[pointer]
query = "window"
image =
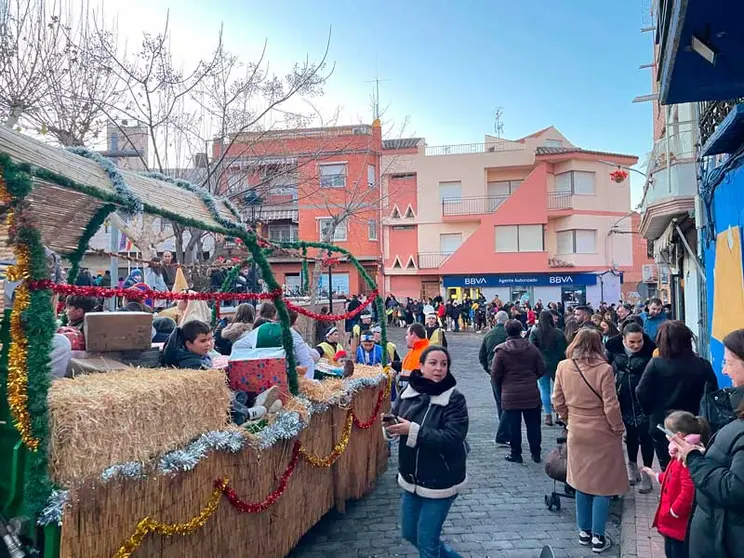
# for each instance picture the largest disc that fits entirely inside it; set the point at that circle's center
(372, 229)
(283, 232)
(450, 190)
(333, 175)
(502, 188)
(575, 182)
(449, 243)
(409, 212)
(339, 235)
(396, 212)
(404, 227)
(519, 238)
(371, 180)
(579, 241)
(553, 143)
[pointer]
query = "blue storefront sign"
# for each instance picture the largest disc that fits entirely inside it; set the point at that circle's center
(528, 279)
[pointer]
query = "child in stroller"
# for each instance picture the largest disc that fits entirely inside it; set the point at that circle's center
(556, 466)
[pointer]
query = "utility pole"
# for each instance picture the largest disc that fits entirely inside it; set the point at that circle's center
(376, 92)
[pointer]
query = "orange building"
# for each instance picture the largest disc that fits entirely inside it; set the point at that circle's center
(307, 180)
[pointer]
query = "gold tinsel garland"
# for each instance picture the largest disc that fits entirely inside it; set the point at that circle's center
(18, 350)
(148, 525)
(332, 457)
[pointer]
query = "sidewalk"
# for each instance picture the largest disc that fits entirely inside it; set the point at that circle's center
(638, 539)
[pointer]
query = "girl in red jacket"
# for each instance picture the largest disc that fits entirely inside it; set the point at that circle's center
(677, 489)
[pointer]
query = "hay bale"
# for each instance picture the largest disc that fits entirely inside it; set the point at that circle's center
(130, 415)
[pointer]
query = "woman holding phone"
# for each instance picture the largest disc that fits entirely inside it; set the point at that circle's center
(430, 418)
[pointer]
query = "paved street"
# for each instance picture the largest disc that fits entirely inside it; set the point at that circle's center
(502, 514)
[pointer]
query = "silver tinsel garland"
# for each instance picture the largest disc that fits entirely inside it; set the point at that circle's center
(132, 203)
(126, 470)
(52, 513)
(187, 458)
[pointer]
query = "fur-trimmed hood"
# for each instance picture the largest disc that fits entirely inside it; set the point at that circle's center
(233, 332)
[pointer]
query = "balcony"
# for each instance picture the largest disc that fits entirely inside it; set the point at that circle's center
(476, 205)
(669, 193)
(558, 201)
(678, 147)
(432, 260)
(471, 148)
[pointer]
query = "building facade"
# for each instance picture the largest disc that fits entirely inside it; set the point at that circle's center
(698, 42)
(314, 184)
(537, 218)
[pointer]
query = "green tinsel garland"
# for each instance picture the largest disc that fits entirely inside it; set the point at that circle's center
(225, 288)
(305, 273)
(251, 242)
(90, 229)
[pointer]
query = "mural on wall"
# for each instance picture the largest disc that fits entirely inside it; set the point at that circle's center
(728, 281)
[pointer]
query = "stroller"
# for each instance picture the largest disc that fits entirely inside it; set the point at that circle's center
(556, 465)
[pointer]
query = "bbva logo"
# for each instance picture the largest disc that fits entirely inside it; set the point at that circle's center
(558, 280)
(475, 280)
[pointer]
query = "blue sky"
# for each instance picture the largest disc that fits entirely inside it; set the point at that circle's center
(448, 64)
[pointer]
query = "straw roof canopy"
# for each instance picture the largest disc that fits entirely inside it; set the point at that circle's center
(61, 214)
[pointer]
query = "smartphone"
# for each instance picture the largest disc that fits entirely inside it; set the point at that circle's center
(388, 419)
(665, 430)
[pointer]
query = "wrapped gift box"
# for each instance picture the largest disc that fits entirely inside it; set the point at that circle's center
(256, 370)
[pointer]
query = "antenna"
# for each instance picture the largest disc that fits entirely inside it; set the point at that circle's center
(498, 124)
(376, 92)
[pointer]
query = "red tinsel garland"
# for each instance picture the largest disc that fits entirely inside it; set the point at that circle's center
(270, 500)
(136, 294)
(375, 413)
(332, 317)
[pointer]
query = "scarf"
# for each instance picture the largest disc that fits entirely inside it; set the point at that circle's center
(430, 387)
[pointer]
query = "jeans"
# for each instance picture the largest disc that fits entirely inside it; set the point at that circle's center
(502, 434)
(421, 521)
(639, 437)
(675, 549)
(546, 389)
(513, 418)
(592, 512)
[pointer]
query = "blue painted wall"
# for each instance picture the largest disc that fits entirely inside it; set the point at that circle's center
(728, 210)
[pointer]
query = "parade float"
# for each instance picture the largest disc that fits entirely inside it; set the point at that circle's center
(145, 462)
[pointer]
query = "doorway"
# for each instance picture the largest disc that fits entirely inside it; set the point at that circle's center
(574, 296)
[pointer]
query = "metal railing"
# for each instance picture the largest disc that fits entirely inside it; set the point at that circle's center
(712, 113)
(559, 200)
(680, 146)
(475, 205)
(432, 260)
(468, 148)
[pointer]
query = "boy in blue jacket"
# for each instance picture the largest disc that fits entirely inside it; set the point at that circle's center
(189, 346)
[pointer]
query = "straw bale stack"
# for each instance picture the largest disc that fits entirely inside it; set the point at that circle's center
(130, 415)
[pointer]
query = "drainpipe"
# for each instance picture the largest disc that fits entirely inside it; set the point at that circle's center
(668, 166)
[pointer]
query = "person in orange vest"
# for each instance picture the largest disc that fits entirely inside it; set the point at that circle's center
(416, 341)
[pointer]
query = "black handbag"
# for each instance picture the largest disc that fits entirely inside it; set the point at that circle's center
(719, 407)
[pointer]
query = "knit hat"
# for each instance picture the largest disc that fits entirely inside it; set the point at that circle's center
(331, 331)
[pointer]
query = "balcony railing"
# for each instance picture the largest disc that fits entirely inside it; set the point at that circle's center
(432, 260)
(469, 148)
(679, 146)
(559, 200)
(477, 205)
(712, 114)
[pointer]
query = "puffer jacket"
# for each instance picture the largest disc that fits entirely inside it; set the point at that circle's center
(628, 371)
(233, 332)
(431, 459)
(516, 366)
(717, 525)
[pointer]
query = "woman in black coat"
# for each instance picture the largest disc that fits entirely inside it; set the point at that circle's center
(629, 354)
(717, 525)
(431, 420)
(674, 381)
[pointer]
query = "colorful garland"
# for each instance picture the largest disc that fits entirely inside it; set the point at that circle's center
(332, 317)
(148, 525)
(137, 294)
(338, 449)
(305, 273)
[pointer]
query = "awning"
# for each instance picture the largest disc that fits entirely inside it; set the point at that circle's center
(268, 214)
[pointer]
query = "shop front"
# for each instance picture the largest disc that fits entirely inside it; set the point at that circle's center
(570, 288)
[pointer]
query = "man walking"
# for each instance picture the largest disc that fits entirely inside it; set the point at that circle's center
(654, 318)
(493, 338)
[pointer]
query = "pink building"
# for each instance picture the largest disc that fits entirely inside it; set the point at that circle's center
(537, 217)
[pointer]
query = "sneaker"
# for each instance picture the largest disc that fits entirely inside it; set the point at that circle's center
(536, 458)
(634, 475)
(267, 398)
(256, 413)
(276, 407)
(600, 543)
(585, 538)
(646, 484)
(514, 458)
(549, 419)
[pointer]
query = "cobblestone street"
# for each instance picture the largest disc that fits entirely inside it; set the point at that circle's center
(502, 513)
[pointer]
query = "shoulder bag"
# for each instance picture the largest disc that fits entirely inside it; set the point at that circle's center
(594, 391)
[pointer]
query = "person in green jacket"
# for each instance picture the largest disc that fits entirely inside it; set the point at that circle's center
(552, 344)
(495, 337)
